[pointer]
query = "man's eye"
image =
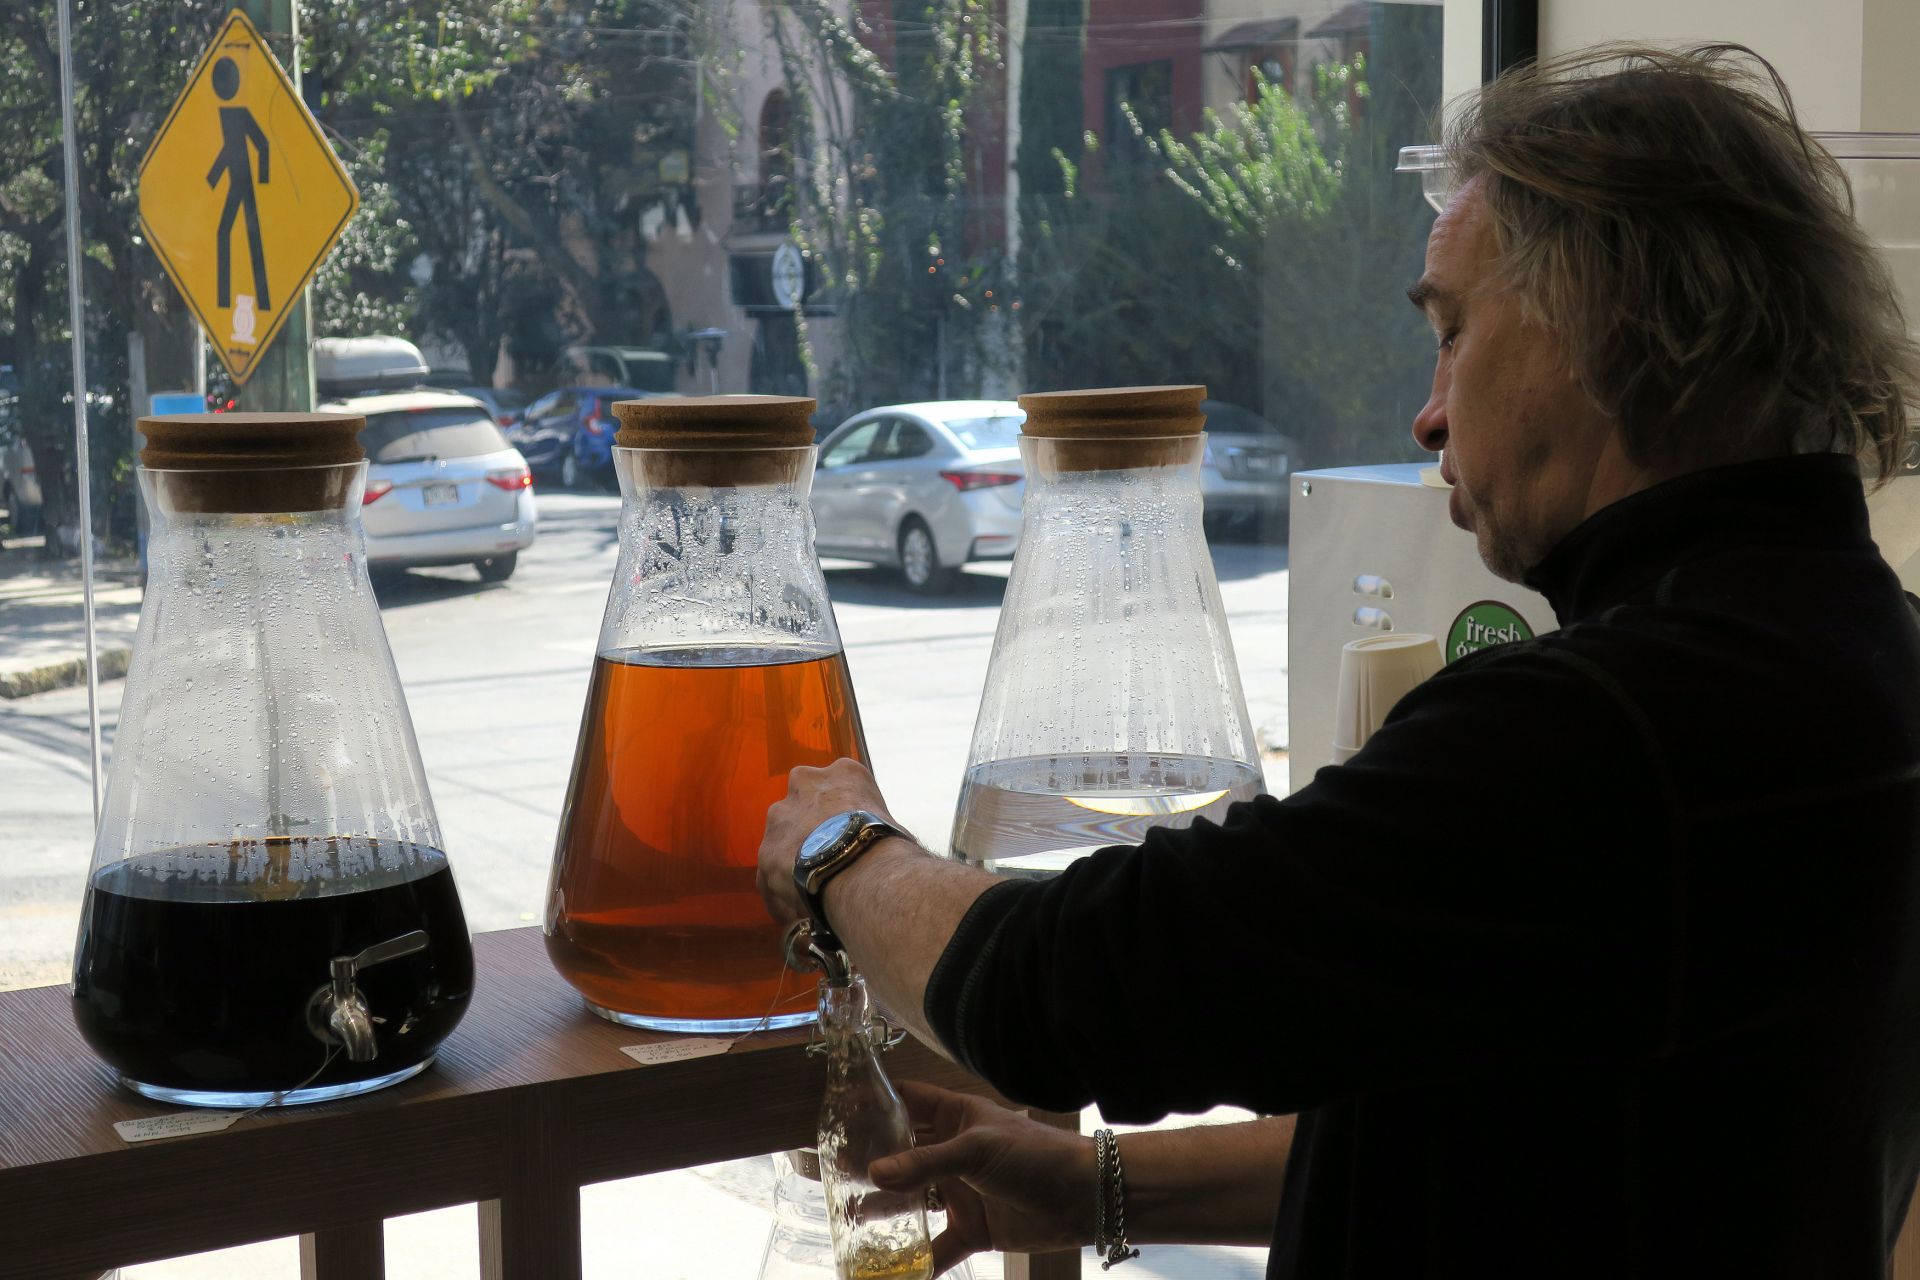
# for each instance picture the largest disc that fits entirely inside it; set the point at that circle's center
(1446, 339)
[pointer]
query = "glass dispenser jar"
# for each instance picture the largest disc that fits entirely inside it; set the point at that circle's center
(719, 668)
(269, 916)
(1112, 701)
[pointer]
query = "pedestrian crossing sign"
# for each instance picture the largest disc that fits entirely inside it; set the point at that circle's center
(241, 197)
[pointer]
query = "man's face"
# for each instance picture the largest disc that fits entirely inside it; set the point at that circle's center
(1521, 441)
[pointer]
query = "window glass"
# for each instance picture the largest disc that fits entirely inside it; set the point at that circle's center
(987, 433)
(909, 440)
(551, 410)
(429, 434)
(854, 446)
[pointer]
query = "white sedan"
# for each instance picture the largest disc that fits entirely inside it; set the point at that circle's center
(925, 487)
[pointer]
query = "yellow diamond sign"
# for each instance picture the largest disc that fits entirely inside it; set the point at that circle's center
(241, 196)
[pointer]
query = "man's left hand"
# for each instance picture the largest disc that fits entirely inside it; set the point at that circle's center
(813, 796)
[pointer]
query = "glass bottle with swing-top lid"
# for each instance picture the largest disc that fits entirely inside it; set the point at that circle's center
(269, 917)
(719, 668)
(1112, 702)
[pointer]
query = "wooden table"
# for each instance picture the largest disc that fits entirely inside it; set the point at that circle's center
(531, 1099)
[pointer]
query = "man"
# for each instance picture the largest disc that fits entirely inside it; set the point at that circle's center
(1602, 958)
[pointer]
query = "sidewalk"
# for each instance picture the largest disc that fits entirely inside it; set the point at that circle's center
(43, 630)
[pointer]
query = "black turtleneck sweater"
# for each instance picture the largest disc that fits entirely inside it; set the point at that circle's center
(1602, 957)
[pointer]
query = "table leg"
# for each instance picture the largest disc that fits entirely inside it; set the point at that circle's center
(532, 1232)
(1064, 1265)
(356, 1252)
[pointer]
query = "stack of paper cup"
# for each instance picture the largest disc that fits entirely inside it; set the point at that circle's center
(1374, 673)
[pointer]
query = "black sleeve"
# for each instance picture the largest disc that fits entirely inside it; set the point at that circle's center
(1490, 879)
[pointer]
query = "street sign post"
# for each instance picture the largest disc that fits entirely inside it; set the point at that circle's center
(241, 196)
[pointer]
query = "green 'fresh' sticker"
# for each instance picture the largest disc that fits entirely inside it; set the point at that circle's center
(1482, 625)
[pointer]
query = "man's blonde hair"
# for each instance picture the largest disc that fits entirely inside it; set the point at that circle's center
(1664, 214)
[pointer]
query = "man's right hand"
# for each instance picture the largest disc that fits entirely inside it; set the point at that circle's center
(1009, 1183)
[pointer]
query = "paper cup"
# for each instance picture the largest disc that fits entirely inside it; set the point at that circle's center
(1374, 674)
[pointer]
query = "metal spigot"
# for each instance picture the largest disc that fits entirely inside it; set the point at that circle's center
(337, 1013)
(810, 946)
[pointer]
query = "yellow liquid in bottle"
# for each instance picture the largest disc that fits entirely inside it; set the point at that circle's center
(876, 1262)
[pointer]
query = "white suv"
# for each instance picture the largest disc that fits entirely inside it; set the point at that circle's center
(443, 485)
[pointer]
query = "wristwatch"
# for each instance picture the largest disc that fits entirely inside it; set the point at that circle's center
(832, 848)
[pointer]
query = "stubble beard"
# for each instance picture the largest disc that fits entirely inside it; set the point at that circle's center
(1505, 556)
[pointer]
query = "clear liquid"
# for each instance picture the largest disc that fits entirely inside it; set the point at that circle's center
(1033, 816)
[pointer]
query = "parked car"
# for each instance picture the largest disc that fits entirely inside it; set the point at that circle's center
(19, 488)
(366, 366)
(925, 487)
(1246, 472)
(568, 434)
(643, 367)
(443, 485)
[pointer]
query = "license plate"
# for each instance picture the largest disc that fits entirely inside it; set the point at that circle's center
(439, 495)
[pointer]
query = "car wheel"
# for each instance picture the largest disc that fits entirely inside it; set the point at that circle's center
(609, 480)
(497, 568)
(569, 471)
(920, 559)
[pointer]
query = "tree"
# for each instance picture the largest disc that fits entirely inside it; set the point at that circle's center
(520, 145)
(122, 87)
(1264, 255)
(883, 204)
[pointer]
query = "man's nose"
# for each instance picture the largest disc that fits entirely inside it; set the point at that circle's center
(1430, 424)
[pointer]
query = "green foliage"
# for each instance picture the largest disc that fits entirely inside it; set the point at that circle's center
(123, 85)
(520, 148)
(363, 286)
(1264, 255)
(1261, 170)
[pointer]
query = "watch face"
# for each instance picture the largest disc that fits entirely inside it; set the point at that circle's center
(825, 836)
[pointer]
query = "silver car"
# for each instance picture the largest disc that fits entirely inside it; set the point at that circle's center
(443, 485)
(1246, 470)
(927, 487)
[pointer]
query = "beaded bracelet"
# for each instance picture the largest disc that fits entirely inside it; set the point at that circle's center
(1109, 1206)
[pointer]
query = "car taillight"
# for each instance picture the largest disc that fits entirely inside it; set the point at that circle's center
(376, 490)
(968, 481)
(511, 480)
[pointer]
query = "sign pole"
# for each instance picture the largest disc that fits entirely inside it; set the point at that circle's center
(83, 468)
(283, 379)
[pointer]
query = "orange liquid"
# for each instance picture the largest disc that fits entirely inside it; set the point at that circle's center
(652, 911)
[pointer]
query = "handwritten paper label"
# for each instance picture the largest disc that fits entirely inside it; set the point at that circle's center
(180, 1124)
(649, 1055)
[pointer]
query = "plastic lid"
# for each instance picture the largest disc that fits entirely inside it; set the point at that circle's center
(1427, 158)
(1870, 146)
(255, 463)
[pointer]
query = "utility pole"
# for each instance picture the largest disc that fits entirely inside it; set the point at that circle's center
(283, 377)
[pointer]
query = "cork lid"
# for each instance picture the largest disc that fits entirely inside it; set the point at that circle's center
(257, 462)
(715, 439)
(1116, 428)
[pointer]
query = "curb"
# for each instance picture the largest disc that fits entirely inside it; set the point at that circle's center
(63, 675)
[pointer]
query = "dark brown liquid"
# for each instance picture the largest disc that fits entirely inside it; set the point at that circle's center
(196, 966)
(652, 910)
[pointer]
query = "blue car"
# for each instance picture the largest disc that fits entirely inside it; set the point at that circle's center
(568, 434)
